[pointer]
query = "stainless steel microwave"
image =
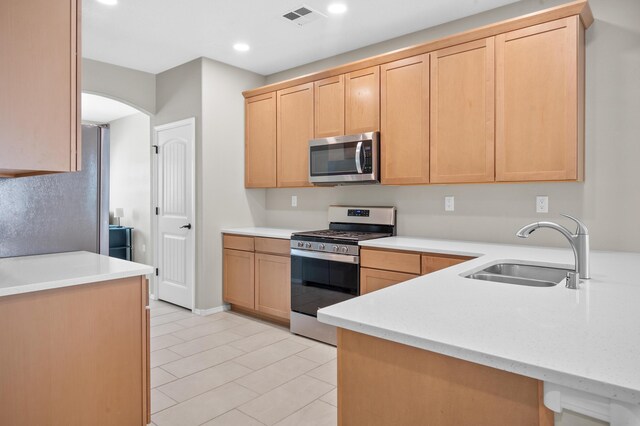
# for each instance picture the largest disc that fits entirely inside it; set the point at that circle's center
(343, 160)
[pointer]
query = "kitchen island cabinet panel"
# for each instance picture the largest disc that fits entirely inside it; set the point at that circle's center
(537, 111)
(75, 355)
(294, 129)
(462, 113)
(411, 385)
(39, 87)
(404, 107)
(260, 141)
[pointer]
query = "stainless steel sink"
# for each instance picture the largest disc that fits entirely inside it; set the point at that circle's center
(515, 273)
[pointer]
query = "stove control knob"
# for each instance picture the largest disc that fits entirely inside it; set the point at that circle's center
(344, 249)
(335, 248)
(308, 245)
(321, 246)
(300, 244)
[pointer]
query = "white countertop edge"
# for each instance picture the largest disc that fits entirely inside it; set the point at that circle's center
(266, 232)
(70, 282)
(524, 369)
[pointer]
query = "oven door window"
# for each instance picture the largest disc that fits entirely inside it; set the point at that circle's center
(333, 159)
(317, 283)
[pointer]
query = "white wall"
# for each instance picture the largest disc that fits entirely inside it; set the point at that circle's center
(129, 179)
(212, 93)
(225, 202)
(609, 199)
(132, 87)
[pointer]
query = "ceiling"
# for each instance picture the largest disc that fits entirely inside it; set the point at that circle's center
(98, 109)
(155, 35)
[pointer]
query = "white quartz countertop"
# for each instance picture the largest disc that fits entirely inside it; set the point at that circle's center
(49, 271)
(284, 234)
(586, 339)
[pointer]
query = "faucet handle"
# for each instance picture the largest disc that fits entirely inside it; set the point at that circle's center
(581, 229)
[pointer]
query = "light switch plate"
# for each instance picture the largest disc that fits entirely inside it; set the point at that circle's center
(542, 204)
(449, 203)
(294, 201)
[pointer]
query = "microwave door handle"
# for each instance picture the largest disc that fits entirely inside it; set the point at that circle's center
(358, 152)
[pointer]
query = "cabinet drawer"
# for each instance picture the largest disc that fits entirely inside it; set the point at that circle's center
(390, 260)
(435, 262)
(238, 242)
(374, 279)
(272, 245)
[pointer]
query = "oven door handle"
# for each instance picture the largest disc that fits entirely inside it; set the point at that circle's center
(332, 257)
(358, 153)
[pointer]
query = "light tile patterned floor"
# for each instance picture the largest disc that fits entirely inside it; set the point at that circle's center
(230, 369)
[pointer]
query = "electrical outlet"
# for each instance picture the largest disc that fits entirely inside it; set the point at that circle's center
(542, 204)
(143, 248)
(294, 201)
(449, 205)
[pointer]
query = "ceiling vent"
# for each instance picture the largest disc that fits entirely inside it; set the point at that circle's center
(303, 15)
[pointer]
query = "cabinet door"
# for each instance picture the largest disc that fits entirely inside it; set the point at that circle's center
(238, 278)
(537, 102)
(273, 285)
(260, 141)
(405, 121)
(362, 110)
(329, 111)
(462, 113)
(295, 128)
(432, 263)
(39, 86)
(375, 279)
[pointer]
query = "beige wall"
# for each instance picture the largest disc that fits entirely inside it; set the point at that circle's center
(132, 87)
(608, 201)
(130, 162)
(225, 202)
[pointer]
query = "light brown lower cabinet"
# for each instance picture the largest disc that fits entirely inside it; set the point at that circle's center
(375, 279)
(384, 268)
(411, 386)
(273, 292)
(77, 355)
(257, 275)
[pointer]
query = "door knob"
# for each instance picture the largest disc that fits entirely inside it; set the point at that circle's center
(188, 226)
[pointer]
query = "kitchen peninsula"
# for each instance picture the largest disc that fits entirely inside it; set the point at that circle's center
(74, 340)
(442, 343)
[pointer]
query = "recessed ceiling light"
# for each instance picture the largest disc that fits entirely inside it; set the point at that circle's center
(109, 2)
(337, 8)
(241, 47)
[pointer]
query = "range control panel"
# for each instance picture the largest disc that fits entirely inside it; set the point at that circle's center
(358, 212)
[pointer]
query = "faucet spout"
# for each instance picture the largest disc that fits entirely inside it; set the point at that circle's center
(579, 242)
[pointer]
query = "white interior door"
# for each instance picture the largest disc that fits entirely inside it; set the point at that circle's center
(175, 201)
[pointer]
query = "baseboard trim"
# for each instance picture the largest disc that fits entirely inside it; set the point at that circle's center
(205, 312)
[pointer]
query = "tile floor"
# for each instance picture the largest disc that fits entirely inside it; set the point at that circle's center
(230, 369)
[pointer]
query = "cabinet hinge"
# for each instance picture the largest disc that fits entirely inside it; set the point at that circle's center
(156, 272)
(155, 147)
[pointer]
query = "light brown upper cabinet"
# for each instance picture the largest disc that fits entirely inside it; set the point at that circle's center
(329, 107)
(539, 102)
(462, 113)
(39, 87)
(260, 141)
(362, 101)
(404, 110)
(294, 128)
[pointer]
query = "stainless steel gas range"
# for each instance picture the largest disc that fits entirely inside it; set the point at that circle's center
(325, 264)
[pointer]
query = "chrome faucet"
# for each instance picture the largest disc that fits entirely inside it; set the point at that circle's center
(579, 242)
